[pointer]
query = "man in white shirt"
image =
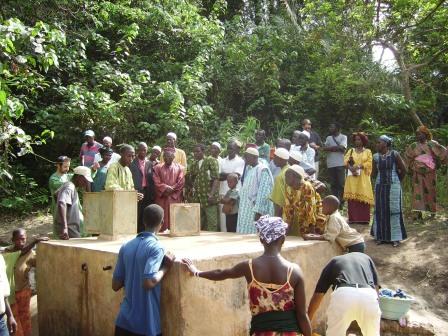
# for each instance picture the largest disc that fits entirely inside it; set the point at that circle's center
(10, 327)
(305, 149)
(335, 146)
(107, 142)
(233, 163)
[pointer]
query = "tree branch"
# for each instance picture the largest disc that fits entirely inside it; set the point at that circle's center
(434, 57)
(398, 31)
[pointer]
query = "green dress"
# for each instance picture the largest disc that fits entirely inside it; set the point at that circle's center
(200, 179)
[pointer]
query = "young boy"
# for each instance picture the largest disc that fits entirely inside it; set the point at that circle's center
(20, 257)
(230, 202)
(337, 228)
(141, 266)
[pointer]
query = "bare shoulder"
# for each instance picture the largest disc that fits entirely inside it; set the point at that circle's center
(296, 274)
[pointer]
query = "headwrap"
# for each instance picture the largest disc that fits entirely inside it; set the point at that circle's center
(172, 135)
(386, 139)
(270, 228)
(169, 150)
(363, 136)
(157, 148)
(425, 130)
(216, 144)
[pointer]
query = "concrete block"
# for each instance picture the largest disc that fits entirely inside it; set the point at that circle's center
(111, 214)
(75, 297)
(185, 219)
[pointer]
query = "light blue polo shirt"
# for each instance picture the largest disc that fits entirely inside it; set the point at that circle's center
(140, 259)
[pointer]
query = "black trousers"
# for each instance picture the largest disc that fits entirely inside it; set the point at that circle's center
(231, 221)
(123, 332)
(360, 247)
(336, 176)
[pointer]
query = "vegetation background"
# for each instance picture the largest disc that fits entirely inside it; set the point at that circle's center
(210, 70)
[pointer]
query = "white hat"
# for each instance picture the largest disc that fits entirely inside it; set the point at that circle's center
(84, 171)
(299, 170)
(216, 144)
(89, 133)
(282, 153)
(157, 148)
(252, 151)
(172, 135)
(296, 155)
(108, 139)
(308, 134)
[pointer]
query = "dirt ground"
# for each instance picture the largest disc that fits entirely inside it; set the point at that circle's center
(418, 266)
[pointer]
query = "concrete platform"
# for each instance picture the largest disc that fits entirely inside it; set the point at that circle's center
(75, 295)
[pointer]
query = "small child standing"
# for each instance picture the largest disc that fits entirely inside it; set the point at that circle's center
(230, 203)
(337, 228)
(22, 259)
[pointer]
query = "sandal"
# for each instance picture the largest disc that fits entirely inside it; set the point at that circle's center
(379, 242)
(395, 244)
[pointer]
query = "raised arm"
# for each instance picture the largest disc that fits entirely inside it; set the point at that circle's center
(237, 271)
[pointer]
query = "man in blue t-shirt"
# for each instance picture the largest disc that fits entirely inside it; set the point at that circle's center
(141, 265)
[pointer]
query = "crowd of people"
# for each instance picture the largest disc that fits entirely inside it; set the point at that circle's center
(253, 180)
(253, 189)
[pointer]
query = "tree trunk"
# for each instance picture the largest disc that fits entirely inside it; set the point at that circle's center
(408, 96)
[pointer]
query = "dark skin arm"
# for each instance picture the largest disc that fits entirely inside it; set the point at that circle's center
(12, 324)
(227, 200)
(402, 170)
(334, 149)
(148, 284)
(374, 170)
(223, 176)
(215, 188)
(278, 210)
(167, 263)
(30, 246)
(237, 271)
(300, 300)
(117, 284)
(311, 236)
(314, 304)
(62, 210)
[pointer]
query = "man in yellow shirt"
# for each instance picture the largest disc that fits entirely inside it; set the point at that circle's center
(281, 157)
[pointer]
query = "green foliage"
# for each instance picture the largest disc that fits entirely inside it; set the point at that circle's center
(212, 70)
(21, 194)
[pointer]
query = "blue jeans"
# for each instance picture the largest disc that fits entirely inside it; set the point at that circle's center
(3, 327)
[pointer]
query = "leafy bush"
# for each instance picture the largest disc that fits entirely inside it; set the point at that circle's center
(21, 194)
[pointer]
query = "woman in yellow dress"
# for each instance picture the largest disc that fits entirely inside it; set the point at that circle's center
(358, 187)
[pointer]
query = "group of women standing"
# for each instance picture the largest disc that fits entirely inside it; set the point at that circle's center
(388, 169)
